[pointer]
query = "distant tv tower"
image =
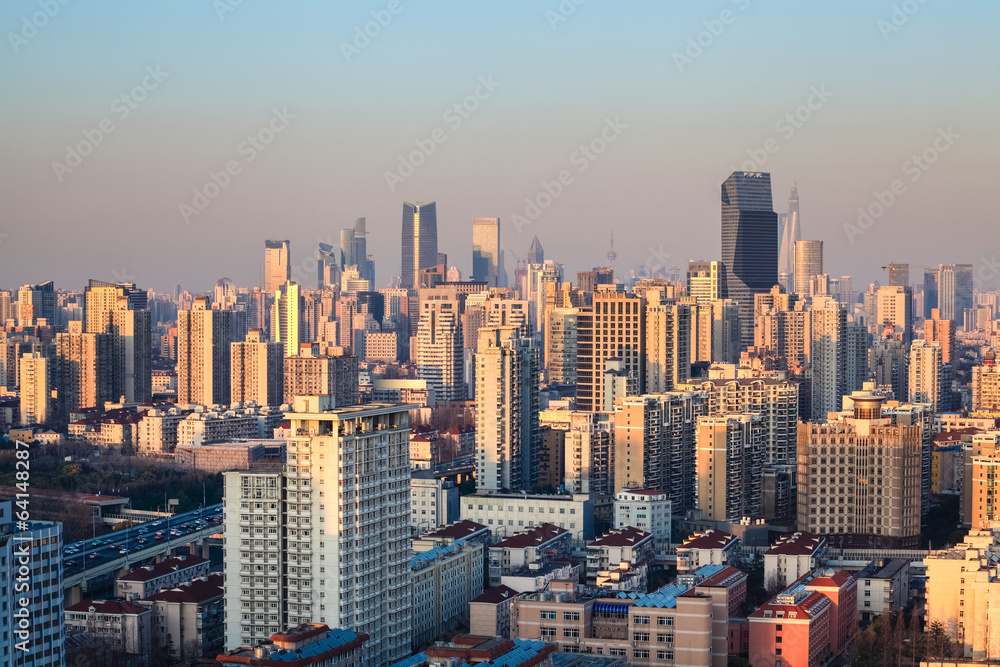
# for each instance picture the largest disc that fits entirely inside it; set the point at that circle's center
(612, 255)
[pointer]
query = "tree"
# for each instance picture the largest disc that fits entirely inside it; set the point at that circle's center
(165, 655)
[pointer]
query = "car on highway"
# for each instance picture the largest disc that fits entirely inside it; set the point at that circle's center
(94, 555)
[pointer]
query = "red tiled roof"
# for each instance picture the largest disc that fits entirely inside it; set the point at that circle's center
(797, 544)
(645, 492)
(725, 579)
(197, 591)
(108, 607)
(622, 537)
(162, 568)
(808, 607)
(497, 594)
(533, 537)
(709, 539)
(830, 580)
(457, 530)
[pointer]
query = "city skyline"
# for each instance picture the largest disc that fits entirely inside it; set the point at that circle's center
(863, 127)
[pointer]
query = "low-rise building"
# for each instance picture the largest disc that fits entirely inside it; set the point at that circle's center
(538, 575)
(489, 614)
(534, 545)
(123, 626)
(306, 645)
(190, 616)
(143, 581)
(708, 547)
(620, 560)
(221, 456)
(486, 651)
(791, 557)
(883, 587)
(505, 513)
(446, 577)
(220, 424)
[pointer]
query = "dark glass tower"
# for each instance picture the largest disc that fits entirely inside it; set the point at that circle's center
(420, 241)
(749, 243)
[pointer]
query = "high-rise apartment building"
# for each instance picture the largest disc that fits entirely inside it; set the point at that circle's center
(808, 264)
(486, 250)
(860, 477)
(715, 332)
(655, 447)
(36, 392)
(439, 356)
(83, 370)
(36, 302)
(941, 331)
(889, 361)
(286, 320)
(277, 265)
(894, 308)
(420, 241)
(328, 539)
(828, 348)
(668, 343)
(203, 354)
(508, 436)
(703, 280)
(257, 371)
(926, 377)
(749, 243)
(776, 402)
(986, 384)
(612, 327)
(328, 373)
(729, 462)
(561, 346)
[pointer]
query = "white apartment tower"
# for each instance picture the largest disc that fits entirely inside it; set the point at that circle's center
(925, 373)
(439, 357)
(508, 437)
(36, 393)
(828, 325)
(327, 539)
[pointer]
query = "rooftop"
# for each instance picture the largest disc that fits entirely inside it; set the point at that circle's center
(710, 539)
(533, 537)
(621, 537)
(457, 530)
(113, 607)
(198, 591)
(336, 642)
(164, 567)
(799, 543)
(496, 595)
(886, 568)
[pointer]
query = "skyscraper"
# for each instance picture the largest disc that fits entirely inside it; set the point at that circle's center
(612, 327)
(790, 233)
(35, 302)
(328, 266)
(730, 461)
(749, 243)
(286, 322)
(536, 253)
(808, 264)
(420, 241)
(439, 356)
(120, 310)
(926, 374)
(486, 250)
(203, 354)
(828, 347)
(954, 291)
(83, 370)
(36, 392)
(277, 265)
(354, 251)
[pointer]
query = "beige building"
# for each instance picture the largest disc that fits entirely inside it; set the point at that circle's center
(647, 510)
(614, 326)
(561, 345)
(791, 557)
(190, 616)
(963, 593)
(729, 464)
(926, 378)
(381, 346)
(257, 371)
(439, 356)
(860, 477)
(490, 613)
(203, 354)
(311, 373)
(157, 432)
(941, 331)
(715, 332)
(709, 547)
(286, 318)
(146, 580)
(36, 393)
(883, 588)
(83, 369)
(981, 490)
(626, 552)
(446, 578)
(124, 626)
(277, 265)
(986, 385)
(668, 343)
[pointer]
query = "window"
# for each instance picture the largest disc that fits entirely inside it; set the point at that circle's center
(667, 620)
(640, 636)
(641, 620)
(571, 632)
(664, 655)
(777, 628)
(617, 652)
(549, 615)
(641, 653)
(548, 633)
(664, 638)
(571, 616)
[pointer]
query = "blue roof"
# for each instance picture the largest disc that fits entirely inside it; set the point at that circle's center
(524, 649)
(666, 597)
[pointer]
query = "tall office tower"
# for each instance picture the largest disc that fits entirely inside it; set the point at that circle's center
(703, 280)
(277, 265)
(730, 463)
(954, 291)
(439, 356)
(258, 371)
(543, 282)
(775, 401)
(83, 366)
(749, 243)
(828, 349)
(937, 330)
(859, 478)
(612, 327)
(926, 374)
(536, 253)
(286, 319)
(354, 251)
(715, 332)
(224, 294)
(343, 500)
(32, 554)
(203, 354)
(655, 445)
(36, 302)
(846, 294)
(790, 234)
(668, 343)
(36, 392)
(808, 264)
(509, 442)
(932, 283)
(258, 309)
(986, 384)
(889, 360)
(420, 241)
(561, 346)
(894, 307)
(328, 266)
(486, 250)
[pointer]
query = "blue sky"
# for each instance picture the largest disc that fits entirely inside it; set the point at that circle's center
(345, 121)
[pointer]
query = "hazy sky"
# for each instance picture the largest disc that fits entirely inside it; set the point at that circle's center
(682, 92)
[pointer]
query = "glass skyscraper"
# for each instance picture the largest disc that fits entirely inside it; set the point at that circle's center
(420, 241)
(486, 250)
(749, 243)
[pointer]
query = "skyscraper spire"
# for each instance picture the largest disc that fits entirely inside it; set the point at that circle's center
(612, 255)
(790, 234)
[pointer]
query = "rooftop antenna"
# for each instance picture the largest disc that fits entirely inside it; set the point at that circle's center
(612, 255)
